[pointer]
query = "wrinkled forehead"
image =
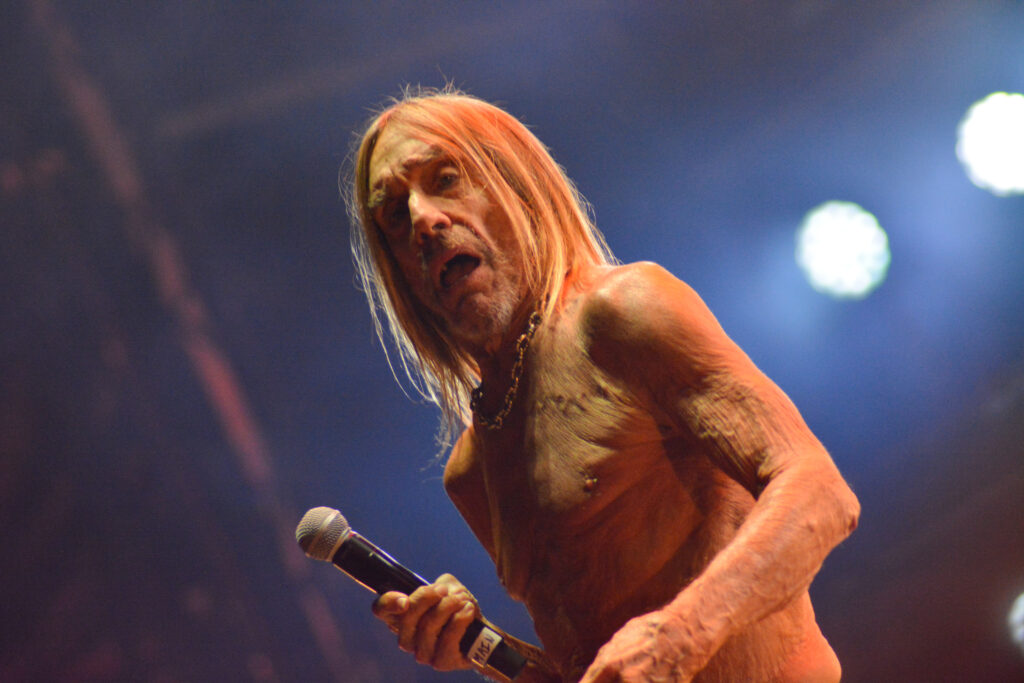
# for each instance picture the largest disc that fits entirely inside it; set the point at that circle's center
(396, 153)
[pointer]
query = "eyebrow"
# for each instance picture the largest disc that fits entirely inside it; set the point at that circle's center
(379, 192)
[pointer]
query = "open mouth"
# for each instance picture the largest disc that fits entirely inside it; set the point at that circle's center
(458, 268)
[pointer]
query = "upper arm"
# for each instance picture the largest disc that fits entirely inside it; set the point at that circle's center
(464, 484)
(656, 335)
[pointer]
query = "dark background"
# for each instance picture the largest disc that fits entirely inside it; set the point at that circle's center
(187, 365)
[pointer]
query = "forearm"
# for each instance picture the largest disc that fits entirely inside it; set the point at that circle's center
(799, 517)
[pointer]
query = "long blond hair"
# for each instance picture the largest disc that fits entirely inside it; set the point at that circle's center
(551, 225)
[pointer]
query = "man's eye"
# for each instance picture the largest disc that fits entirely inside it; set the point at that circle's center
(398, 214)
(447, 179)
(394, 216)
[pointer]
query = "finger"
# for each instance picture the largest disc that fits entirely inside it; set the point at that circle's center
(390, 603)
(449, 581)
(599, 673)
(430, 627)
(389, 607)
(420, 602)
(448, 655)
(455, 587)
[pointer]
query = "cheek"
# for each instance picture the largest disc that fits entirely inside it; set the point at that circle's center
(406, 267)
(412, 271)
(508, 249)
(499, 225)
(406, 260)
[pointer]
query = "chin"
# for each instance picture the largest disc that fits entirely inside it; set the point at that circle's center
(480, 322)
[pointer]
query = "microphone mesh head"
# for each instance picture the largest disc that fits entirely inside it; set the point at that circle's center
(319, 532)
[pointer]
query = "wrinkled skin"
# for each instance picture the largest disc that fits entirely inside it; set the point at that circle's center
(645, 649)
(657, 503)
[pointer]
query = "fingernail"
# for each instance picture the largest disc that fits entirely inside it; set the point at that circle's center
(467, 608)
(403, 603)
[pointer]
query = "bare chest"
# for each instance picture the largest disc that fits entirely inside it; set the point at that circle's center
(575, 442)
(584, 474)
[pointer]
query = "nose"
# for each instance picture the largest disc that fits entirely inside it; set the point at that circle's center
(426, 216)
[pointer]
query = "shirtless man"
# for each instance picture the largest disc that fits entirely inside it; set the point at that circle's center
(656, 502)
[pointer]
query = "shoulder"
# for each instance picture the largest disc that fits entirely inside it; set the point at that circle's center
(640, 293)
(642, 314)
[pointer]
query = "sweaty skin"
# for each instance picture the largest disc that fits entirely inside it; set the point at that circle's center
(657, 503)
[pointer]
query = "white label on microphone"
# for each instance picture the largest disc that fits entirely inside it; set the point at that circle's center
(483, 646)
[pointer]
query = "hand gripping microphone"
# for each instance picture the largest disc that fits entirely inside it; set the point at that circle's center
(324, 534)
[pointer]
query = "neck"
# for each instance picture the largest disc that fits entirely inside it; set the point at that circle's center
(495, 355)
(492, 401)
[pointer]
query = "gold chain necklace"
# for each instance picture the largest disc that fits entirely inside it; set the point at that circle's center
(477, 394)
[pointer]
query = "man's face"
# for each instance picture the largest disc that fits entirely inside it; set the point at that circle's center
(452, 242)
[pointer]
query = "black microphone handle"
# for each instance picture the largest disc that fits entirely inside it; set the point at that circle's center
(374, 568)
(379, 572)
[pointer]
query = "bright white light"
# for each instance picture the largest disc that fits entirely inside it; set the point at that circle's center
(1015, 620)
(842, 250)
(990, 143)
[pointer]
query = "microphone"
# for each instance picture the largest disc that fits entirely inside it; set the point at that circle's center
(324, 534)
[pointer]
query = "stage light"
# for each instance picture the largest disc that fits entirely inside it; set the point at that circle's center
(842, 250)
(990, 143)
(1015, 620)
